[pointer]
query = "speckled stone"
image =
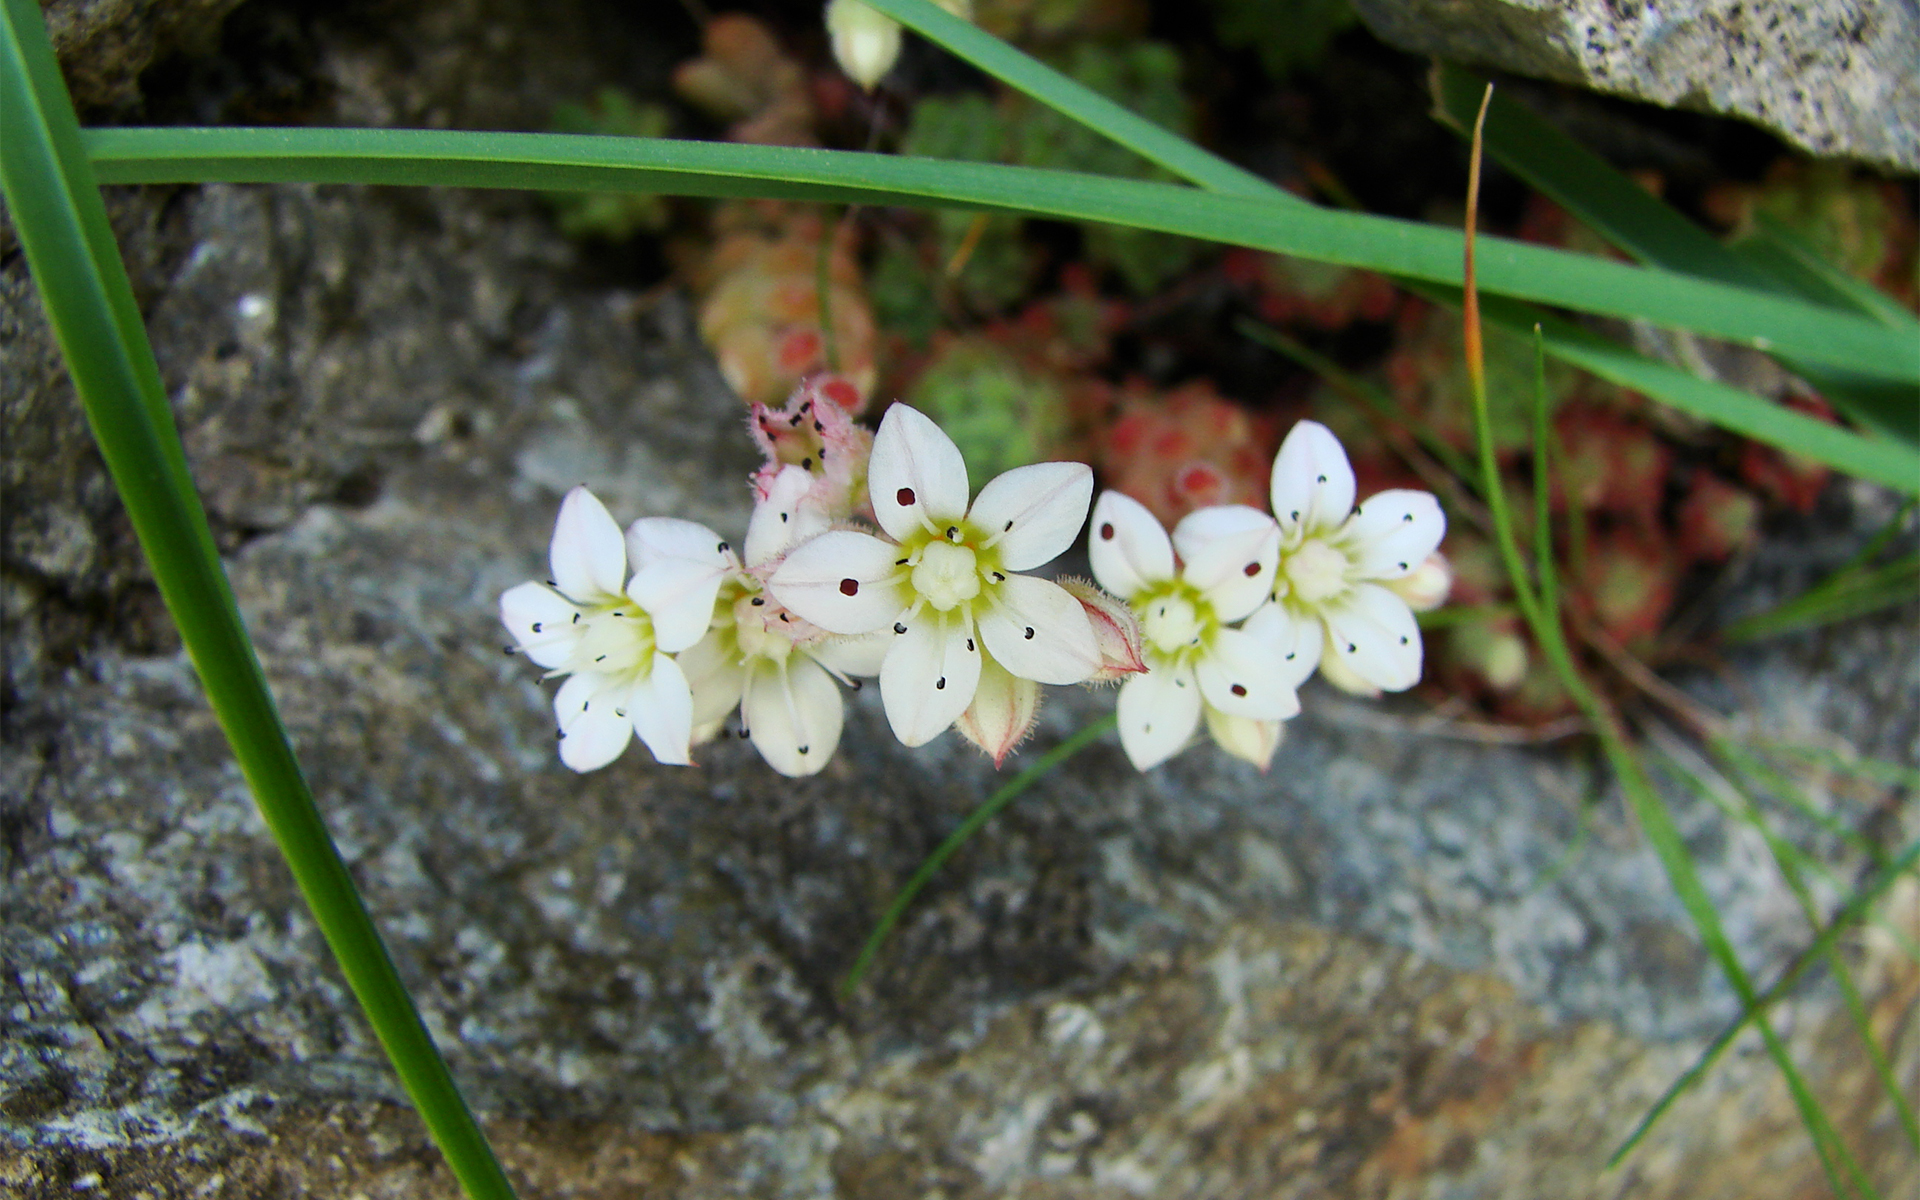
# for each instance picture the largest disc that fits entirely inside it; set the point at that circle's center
(1838, 78)
(1394, 966)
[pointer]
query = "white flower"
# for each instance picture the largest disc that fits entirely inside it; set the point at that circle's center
(613, 636)
(945, 575)
(779, 671)
(1243, 679)
(1337, 559)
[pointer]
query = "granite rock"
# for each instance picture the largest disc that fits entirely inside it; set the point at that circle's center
(1838, 78)
(1394, 966)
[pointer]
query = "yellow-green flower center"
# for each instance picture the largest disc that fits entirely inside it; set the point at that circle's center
(615, 639)
(949, 569)
(1176, 622)
(1315, 573)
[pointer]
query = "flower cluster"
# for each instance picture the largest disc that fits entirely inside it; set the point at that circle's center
(1322, 583)
(1222, 620)
(934, 602)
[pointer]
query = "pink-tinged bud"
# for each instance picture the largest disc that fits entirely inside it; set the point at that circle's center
(1002, 713)
(816, 432)
(1426, 587)
(1114, 629)
(1244, 737)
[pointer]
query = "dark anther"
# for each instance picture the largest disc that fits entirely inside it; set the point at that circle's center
(819, 428)
(1239, 689)
(1009, 528)
(783, 518)
(1252, 569)
(724, 547)
(806, 406)
(619, 712)
(795, 420)
(970, 643)
(602, 658)
(899, 562)
(999, 578)
(953, 533)
(506, 649)
(1029, 633)
(1403, 566)
(898, 627)
(759, 600)
(806, 464)
(559, 733)
(1351, 647)
(1295, 515)
(804, 749)
(1106, 531)
(1290, 657)
(849, 587)
(1406, 518)
(536, 627)
(1320, 479)
(1403, 641)
(904, 496)
(785, 617)
(940, 684)
(823, 454)
(576, 618)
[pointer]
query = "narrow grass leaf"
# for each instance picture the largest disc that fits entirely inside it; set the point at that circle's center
(1839, 597)
(62, 226)
(570, 162)
(1645, 227)
(903, 899)
(1850, 915)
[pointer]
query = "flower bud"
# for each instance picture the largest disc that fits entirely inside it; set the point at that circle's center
(1244, 737)
(1002, 713)
(1114, 629)
(865, 41)
(1425, 588)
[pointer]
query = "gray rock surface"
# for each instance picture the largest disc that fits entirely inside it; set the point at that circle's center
(1394, 966)
(104, 45)
(1839, 78)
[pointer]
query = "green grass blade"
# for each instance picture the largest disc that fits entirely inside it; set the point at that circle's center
(1849, 916)
(903, 899)
(1023, 73)
(1645, 227)
(569, 162)
(62, 225)
(1792, 864)
(1873, 770)
(1836, 598)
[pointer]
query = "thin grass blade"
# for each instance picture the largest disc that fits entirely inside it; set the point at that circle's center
(1646, 228)
(903, 899)
(573, 162)
(1837, 598)
(62, 226)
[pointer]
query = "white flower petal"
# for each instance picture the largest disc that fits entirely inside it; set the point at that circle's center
(1128, 547)
(1244, 737)
(793, 714)
(1242, 675)
(588, 555)
(661, 709)
(593, 730)
(1230, 553)
(541, 621)
(929, 677)
(1294, 637)
(1158, 712)
(678, 595)
(785, 518)
(1373, 634)
(1313, 485)
(1038, 631)
(715, 678)
(860, 655)
(1393, 533)
(915, 476)
(1035, 512)
(842, 581)
(653, 539)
